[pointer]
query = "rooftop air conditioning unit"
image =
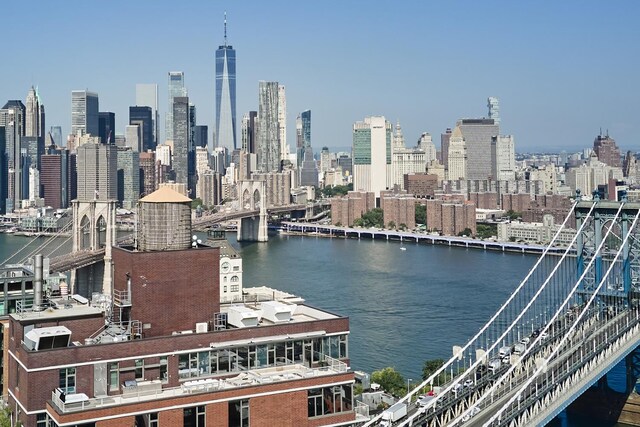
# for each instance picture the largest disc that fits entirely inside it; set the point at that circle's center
(201, 327)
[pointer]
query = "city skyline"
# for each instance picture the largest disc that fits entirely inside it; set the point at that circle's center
(544, 64)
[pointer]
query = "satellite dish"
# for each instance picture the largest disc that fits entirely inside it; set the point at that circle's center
(194, 237)
(199, 241)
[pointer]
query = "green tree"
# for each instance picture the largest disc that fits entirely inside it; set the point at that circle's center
(5, 418)
(485, 231)
(338, 224)
(421, 214)
(390, 380)
(374, 218)
(402, 226)
(512, 239)
(466, 232)
(391, 225)
(512, 215)
(196, 202)
(358, 222)
(431, 366)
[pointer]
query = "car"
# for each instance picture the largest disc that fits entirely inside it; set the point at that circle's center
(525, 340)
(424, 400)
(457, 388)
(468, 383)
(544, 336)
(472, 413)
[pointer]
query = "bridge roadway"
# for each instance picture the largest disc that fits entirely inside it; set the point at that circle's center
(582, 356)
(205, 221)
(82, 258)
(409, 236)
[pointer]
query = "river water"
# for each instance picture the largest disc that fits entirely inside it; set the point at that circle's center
(404, 306)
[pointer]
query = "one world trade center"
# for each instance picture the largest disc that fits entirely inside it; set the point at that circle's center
(226, 95)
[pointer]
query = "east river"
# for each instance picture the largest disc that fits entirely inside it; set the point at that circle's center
(404, 306)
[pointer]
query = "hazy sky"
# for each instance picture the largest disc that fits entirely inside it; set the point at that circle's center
(561, 69)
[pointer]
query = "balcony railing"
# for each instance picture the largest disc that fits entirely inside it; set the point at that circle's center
(151, 390)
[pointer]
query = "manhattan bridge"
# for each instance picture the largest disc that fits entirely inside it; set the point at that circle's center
(572, 318)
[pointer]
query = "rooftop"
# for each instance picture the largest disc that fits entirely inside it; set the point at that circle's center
(59, 308)
(165, 195)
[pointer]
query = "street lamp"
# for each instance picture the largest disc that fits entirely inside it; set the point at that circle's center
(408, 381)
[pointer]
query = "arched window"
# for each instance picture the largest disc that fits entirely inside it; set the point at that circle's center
(234, 279)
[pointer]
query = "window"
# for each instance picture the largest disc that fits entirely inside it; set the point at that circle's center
(225, 289)
(139, 369)
(329, 400)
(194, 417)
(68, 380)
(236, 268)
(239, 413)
(164, 372)
(234, 279)
(147, 420)
(114, 376)
(235, 288)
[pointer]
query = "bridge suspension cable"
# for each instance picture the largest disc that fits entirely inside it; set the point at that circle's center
(64, 229)
(519, 312)
(449, 365)
(542, 366)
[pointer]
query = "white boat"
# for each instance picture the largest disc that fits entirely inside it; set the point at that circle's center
(402, 248)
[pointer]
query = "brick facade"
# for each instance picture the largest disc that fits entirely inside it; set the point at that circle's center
(170, 290)
(421, 184)
(345, 210)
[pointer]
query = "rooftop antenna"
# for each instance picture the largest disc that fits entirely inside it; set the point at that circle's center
(225, 29)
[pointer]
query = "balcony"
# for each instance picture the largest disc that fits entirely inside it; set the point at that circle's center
(145, 391)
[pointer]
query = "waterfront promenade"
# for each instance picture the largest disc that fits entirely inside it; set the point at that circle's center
(409, 236)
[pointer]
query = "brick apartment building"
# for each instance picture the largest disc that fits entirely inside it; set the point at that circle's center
(345, 210)
(398, 208)
(484, 200)
(450, 218)
(516, 202)
(422, 185)
(162, 350)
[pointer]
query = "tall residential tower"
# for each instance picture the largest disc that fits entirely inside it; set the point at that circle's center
(226, 95)
(176, 88)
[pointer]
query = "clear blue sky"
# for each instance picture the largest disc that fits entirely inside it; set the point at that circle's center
(561, 69)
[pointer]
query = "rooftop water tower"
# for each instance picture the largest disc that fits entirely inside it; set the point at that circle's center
(164, 221)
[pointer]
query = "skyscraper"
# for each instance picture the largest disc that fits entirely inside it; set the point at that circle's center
(607, 151)
(128, 164)
(477, 135)
(56, 134)
(147, 95)
(201, 136)
(249, 132)
(180, 115)
(32, 114)
(457, 156)
(282, 123)
(303, 139)
(503, 157)
(143, 117)
(176, 88)
(107, 127)
(226, 94)
(372, 154)
(494, 109)
(84, 113)
(12, 120)
(268, 143)
(97, 172)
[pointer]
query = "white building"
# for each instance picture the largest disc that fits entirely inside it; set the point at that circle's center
(426, 144)
(163, 154)
(457, 157)
(503, 157)
(535, 232)
(372, 155)
(548, 176)
(406, 160)
(588, 176)
(133, 138)
(202, 160)
(230, 271)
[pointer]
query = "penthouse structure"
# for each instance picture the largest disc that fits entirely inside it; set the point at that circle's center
(162, 350)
